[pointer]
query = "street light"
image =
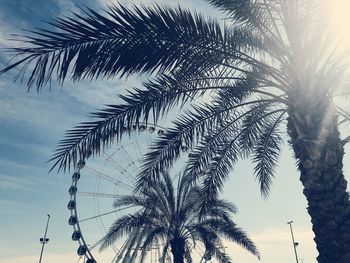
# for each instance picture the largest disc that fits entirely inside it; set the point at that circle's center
(44, 239)
(295, 244)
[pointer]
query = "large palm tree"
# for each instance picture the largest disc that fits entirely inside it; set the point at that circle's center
(271, 70)
(177, 221)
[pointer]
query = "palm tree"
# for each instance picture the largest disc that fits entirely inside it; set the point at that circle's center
(175, 219)
(272, 69)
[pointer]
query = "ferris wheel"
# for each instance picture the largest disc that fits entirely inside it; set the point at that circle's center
(95, 185)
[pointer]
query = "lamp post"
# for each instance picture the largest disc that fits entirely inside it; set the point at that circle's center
(294, 243)
(44, 240)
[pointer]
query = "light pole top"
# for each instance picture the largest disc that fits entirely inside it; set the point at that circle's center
(290, 222)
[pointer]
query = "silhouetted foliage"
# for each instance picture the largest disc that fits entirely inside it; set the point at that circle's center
(272, 69)
(175, 220)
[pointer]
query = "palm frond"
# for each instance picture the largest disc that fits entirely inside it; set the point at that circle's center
(152, 236)
(266, 152)
(232, 233)
(221, 256)
(164, 252)
(156, 202)
(219, 168)
(226, 156)
(247, 85)
(344, 113)
(114, 121)
(223, 205)
(123, 42)
(138, 245)
(206, 235)
(152, 102)
(200, 157)
(253, 123)
(123, 226)
(129, 245)
(126, 200)
(221, 209)
(169, 192)
(240, 10)
(160, 194)
(188, 128)
(187, 254)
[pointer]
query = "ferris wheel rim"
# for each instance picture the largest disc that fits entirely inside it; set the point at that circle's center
(84, 249)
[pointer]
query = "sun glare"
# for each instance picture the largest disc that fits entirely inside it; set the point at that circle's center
(339, 14)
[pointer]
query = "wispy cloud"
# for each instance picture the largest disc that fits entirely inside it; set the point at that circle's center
(275, 245)
(9, 182)
(52, 258)
(15, 207)
(67, 6)
(197, 5)
(129, 3)
(96, 94)
(6, 35)
(24, 182)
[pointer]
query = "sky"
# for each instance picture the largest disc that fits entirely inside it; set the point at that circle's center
(31, 125)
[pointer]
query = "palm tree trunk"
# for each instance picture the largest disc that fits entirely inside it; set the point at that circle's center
(319, 150)
(178, 250)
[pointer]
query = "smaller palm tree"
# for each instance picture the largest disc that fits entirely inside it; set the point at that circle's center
(177, 220)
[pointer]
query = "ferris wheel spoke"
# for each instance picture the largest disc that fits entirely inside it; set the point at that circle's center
(96, 244)
(114, 163)
(107, 177)
(123, 148)
(122, 170)
(95, 194)
(139, 157)
(104, 214)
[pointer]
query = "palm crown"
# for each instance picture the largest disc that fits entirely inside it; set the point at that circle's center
(175, 219)
(271, 68)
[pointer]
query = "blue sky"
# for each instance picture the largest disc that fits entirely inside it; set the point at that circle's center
(31, 124)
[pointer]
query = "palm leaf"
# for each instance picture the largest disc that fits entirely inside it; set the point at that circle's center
(114, 121)
(233, 233)
(127, 41)
(122, 226)
(266, 153)
(221, 256)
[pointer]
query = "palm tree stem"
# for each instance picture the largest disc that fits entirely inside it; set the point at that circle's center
(317, 146)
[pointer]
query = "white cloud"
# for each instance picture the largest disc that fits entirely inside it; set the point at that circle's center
(7, 29)
(55, 258)
(198, 5)
(32, 178)
(15, 207)
(98, 93)
(52, 258)
(44, 111)
(10, 182)
(129, 3)
(67, 6)
(275, 245)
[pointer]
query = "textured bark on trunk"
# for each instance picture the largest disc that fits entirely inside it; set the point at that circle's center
(312, 126)
(178, 250)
